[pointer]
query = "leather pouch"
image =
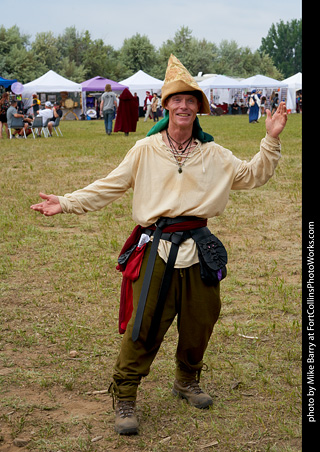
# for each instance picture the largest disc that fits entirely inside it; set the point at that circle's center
(213, 259)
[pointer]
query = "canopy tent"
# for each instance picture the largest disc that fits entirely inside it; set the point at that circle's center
(51, 82)
(141, 82)
(219, 81)
(295, 81)
(261, 81)
(267, 85)
(6, 83)
(98, 84)
(221, 84)
(294, 84)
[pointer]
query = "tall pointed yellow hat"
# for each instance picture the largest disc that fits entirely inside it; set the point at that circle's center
(178, 79)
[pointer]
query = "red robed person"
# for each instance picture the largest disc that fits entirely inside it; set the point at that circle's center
(127, 114)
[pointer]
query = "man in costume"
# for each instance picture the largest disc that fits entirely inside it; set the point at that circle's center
(172, 264)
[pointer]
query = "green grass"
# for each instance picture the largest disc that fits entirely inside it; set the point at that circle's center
(59, 291)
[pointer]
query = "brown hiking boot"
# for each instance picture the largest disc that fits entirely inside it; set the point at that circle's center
(191, 391)
(126, 419)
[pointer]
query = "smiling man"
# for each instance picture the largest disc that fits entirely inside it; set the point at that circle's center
(172, 264)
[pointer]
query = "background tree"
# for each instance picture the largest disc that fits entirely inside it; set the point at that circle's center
(73, 44)
(196, 55)
(137, 53)
(76, 56)
(241, 62)
(45, 47)
(15, 61)
(100, 60)
(72, 71)
(284, 45)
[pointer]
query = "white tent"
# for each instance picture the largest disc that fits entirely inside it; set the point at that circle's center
(261, 81)
(222, 87)
(140, 82)
(219, 81)
(294, 84)
(266, 85)
(51, 82)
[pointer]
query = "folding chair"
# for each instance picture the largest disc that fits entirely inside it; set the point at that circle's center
(45, 128)
(56, 126)
(36, 125)
(17, 123)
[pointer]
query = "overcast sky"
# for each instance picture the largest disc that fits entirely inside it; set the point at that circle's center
(245, 21)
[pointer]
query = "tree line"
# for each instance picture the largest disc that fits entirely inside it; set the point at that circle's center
(76, 56)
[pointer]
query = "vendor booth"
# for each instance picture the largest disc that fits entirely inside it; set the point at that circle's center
(53, 87)
(92, 90)
(294, 84)
(141, 82)
(221, 89)
(268, 87)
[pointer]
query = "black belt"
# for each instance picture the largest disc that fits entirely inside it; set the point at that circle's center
(176, 238)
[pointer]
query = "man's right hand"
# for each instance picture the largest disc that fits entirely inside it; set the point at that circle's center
(50, 206)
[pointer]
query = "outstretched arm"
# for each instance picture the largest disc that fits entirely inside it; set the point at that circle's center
(50, 205)
(276, 123)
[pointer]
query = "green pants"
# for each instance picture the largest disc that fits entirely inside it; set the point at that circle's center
(197, 307)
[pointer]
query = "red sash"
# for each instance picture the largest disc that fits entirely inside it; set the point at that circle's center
(131, 271)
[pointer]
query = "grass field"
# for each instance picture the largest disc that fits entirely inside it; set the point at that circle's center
(59, 292)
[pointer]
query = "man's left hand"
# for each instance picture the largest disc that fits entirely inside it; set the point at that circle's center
(276, 123)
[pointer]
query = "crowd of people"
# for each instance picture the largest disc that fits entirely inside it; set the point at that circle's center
(254, 105)
(124, 109)
(14, 108)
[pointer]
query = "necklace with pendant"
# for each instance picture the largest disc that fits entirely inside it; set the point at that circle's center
(179, 158)
(180, 145)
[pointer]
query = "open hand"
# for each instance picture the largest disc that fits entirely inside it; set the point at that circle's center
(276, 123)
(50, 205)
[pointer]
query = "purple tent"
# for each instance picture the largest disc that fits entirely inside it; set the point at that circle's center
(99, 83)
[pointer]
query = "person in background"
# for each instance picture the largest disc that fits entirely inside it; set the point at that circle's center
(108, 106)
(154, 107)
(147, 105)
(254, 107)
(263, 105)
(4, 105)
(275, 103)
(12, 112)
(57, 113)
(235, 109)
(126, 120)
(35, 104)
(136, 98)
(46, 113)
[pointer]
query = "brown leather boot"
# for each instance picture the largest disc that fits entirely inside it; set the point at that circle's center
(191, 391)
(126, 420)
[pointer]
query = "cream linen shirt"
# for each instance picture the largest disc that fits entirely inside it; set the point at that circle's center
(201, 190)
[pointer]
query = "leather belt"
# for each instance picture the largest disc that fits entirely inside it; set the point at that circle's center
(176, 238)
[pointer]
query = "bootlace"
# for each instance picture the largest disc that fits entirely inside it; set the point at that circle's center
(125, 408)
(194, 387)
